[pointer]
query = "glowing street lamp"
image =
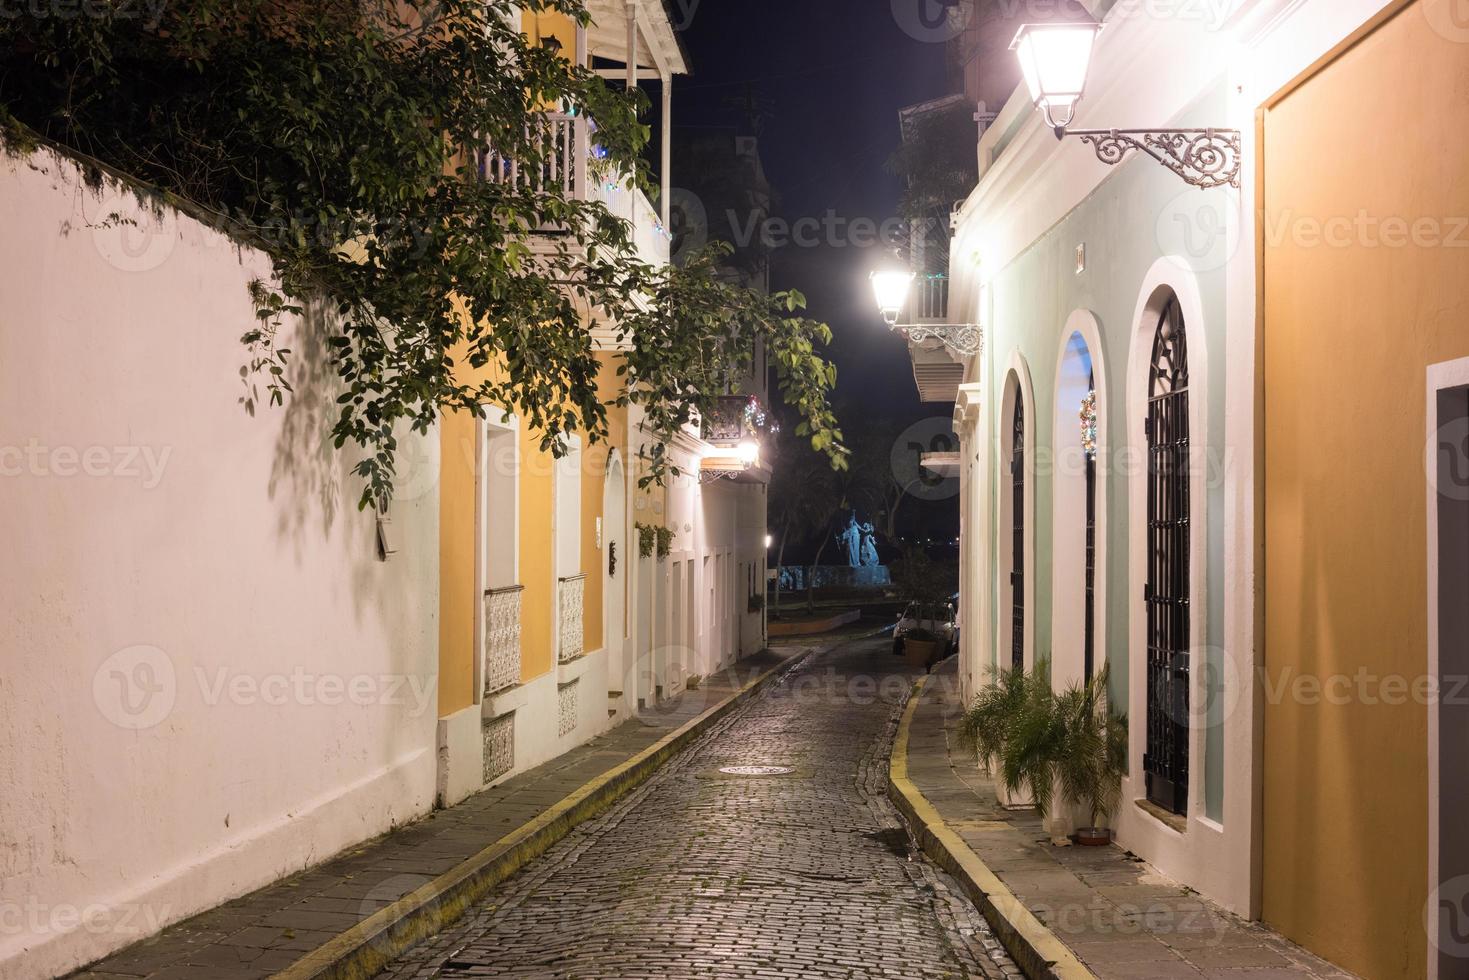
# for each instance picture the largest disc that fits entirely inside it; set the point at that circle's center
(1055, 58)
(891, 288)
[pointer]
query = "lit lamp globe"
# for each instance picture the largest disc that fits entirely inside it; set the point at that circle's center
(891, 288)
(749, 452)
(1055, 58)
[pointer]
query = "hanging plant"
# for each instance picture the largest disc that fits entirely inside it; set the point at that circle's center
(1089, 424)
(647, 539)
(665, 541)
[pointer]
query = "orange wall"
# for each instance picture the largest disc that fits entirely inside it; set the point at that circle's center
(1347, 334)
(457, 601)
(537, 558)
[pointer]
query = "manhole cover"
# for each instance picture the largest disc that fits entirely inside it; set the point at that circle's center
(756, 770)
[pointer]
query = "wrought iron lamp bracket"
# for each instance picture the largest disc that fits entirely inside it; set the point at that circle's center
(964, 339)
(1204, 158)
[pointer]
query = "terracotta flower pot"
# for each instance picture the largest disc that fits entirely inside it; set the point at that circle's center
(1093, 836)
(919, 653)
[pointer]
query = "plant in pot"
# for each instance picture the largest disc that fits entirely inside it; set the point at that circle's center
(992, 719)
(920, 647)
(1092, 756)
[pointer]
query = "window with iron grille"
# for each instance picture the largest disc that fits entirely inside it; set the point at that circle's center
(1166, 595)
(1017, 547)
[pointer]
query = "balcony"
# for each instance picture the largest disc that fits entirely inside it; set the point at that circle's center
(735, 432)
(502, 638)
(570, 601)
(935, 371)
(928, 300)
(570, 163)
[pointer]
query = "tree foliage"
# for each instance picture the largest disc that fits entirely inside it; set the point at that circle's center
(342, 137)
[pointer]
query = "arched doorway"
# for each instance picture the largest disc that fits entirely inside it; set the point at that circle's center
(1167, 593)
(1014, 521)
(616, 565)
(1077, 498)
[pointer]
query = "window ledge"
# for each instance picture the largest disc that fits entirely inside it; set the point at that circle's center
(1173, 821)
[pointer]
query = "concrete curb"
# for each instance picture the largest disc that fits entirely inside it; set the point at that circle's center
(364, 949)
(1035, 949)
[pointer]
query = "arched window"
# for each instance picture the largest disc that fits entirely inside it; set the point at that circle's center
(1167, 592)
(1017, 552)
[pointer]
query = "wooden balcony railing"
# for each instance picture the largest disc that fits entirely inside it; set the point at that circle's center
(563, 152)
(569, 606)
(502, 638)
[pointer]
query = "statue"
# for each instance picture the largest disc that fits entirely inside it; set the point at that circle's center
(851, 539)
(869, 546)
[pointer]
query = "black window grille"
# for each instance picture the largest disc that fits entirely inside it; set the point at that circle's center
(1017, 546)
(1166, 595)
(1089, 643)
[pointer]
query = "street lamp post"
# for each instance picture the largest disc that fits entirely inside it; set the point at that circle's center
(1055, 58)
(891, 286)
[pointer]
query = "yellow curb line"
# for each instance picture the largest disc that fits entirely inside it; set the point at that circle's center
(1035, 949)
(364, 949)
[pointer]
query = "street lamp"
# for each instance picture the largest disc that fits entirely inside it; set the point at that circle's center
(891, 286)
(1055, 58)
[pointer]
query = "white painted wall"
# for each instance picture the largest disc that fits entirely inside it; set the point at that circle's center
(209, 679)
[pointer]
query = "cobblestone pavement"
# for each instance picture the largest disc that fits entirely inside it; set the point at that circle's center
(700, 874)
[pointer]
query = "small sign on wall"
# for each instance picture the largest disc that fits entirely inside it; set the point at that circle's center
(1081, 258)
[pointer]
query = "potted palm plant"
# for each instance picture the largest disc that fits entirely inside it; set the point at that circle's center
(991, 721)
(1092, 756)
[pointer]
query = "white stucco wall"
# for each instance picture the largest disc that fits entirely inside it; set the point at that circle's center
(209, 679)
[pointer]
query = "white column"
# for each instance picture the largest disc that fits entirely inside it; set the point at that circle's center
(664, 202)
(632, 44)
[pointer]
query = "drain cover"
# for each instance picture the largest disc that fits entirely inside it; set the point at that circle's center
(757, 770)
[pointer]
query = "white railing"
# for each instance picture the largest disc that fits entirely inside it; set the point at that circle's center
(502, 638)
(572, 599)
(929, 299)
(563, 151)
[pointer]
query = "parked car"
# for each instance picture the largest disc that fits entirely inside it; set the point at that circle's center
(937, 618)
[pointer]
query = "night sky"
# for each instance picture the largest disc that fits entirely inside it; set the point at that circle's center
(831, 76)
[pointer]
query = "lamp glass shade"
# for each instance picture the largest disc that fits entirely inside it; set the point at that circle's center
(749, 452)
(1055, 58)
(891, 289)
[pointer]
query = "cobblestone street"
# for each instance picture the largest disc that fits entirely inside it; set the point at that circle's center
(703, 874)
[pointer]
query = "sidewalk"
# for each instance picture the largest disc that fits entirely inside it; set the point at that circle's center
(1082, 911)
(345, 917)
